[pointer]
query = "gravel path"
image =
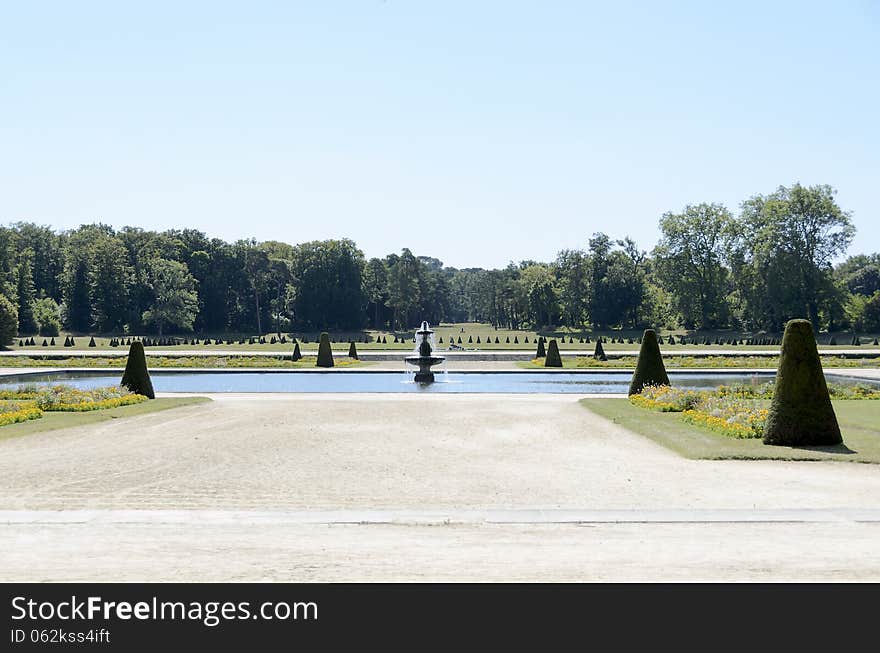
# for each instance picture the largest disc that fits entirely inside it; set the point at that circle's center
(278, 456)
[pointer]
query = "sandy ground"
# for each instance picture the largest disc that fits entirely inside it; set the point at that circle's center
(404, 487)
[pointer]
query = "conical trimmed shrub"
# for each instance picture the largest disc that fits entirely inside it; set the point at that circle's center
(297, 355)
(92, 342)
(325, 352)
(599, 351)
(649, 369)
(541, 352)
(352, 351)
(801, 413)
(136, 376)
(553, 358)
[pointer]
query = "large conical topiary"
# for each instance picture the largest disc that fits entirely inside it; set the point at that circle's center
(352, 351)
(553, 358)
(649, 369)
(800, 412)
(296, 352)
(599, 351)
(325, 352)
(136, 376)
(540, 352)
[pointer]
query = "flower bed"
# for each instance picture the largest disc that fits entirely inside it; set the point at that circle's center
(12, 413)
(66, 398)
(736, 411)
(30, 401)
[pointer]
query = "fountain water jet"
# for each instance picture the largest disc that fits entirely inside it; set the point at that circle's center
(424, 357)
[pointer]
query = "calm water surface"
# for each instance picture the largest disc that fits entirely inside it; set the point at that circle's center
(289, 381)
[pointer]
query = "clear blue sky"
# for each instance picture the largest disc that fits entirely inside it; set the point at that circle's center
(477, 132)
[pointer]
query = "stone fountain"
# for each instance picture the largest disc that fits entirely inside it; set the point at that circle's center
(424, 357)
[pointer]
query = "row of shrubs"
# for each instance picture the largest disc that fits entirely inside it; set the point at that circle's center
(69, 341)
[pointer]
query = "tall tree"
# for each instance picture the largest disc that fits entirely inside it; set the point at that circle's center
(403, 288)
(329, 278)
(376, 287)
(77, 305)
(108, 284)
(690, 263)
(175, 301)
(573, 274)
(784, 251)
(25, 294)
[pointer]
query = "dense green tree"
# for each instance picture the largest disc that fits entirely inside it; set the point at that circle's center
(404, 288)
(108, 284)
(329, 277)
(376, 288)
(689, 261)
(783, 250)
(573, 275)
(25, 294)
(175, 301)
(537, 283)
(78, 306)
(47, 314)
(8, 321)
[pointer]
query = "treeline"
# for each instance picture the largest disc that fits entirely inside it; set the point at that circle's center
(711, 269)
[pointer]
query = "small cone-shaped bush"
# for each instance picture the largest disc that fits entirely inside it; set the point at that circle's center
(516, 340)
(478, 340)
(384, 340)
(352, 351)
(470, 339)
(92, 342)
(800, 413)
(297, 355)
(440, 341)
(649, 369)
(325, 352)
(570, 340)
(136, 376)
(553, 358)
(541, 352)
(498, 342)
(526, 340)
(875, 343)
(506, 340)
(599, 351)
(52, 342)
(45, 343)
(459, 339)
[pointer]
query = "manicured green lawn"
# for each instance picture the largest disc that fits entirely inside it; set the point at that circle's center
(51, 421)
(859, 423)
(486, 333)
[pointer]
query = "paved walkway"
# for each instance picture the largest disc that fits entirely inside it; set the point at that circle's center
(416, 487)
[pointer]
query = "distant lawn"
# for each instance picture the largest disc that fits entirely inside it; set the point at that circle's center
(464, 330)
(859, 424)
(51, 421)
